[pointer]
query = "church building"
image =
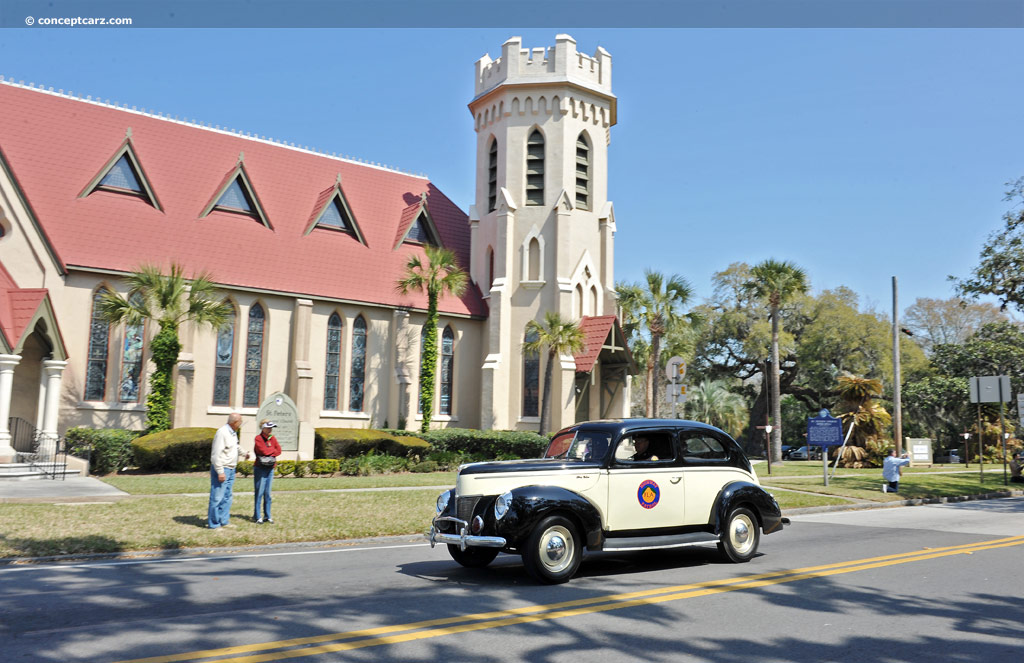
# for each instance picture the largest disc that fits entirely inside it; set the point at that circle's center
(307, 247)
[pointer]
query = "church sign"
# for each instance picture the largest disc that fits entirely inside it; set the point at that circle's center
(281, 409)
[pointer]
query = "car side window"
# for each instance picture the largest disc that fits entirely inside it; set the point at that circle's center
(697, 448)
(645, 447)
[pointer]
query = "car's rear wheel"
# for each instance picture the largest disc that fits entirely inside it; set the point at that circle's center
(473, 557)
(552, 553)
(740, 536)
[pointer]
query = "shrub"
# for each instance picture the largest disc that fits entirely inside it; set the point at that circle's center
(325, 466)
(488, 444)
(382, 464)
(348, 442)
(424, 466)
(175, 450)
(244, 468)
(111, 449)
(302, 468)
(284, 468)
(349, 467)
(446, 461)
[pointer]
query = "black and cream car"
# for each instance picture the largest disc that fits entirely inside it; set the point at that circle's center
(636, 484)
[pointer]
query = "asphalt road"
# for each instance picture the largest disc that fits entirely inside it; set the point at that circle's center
(927, 583)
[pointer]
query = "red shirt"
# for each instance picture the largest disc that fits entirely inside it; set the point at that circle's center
(267, 447)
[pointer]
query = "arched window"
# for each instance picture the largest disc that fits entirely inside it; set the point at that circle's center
(447, 369)
(582, 172)
(492, 176)
(579, 300)
(533, 260)
(131, 358)
(535, 168)
(531, 378)
(332, 375)
(423, 345)
(99, 342)
(224, 361)
(593, 300)
(254, 357)
(355, 388)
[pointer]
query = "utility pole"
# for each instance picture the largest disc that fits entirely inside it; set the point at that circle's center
(897, 405)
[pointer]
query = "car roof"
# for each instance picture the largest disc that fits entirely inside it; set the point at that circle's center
(627, 425)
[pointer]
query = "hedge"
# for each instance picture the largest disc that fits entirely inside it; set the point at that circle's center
(347, 442)
(175, 450)
(488, 444)
(110, 449)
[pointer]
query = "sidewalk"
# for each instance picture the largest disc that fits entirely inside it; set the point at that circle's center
(72, 489)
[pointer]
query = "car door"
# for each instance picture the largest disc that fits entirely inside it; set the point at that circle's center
(709, 467)
(645, 489)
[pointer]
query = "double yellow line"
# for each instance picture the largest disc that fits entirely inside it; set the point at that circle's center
(432, 628)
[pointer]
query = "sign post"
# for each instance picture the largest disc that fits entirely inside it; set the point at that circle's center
(824, 431)
(675, 371)
(991, 389)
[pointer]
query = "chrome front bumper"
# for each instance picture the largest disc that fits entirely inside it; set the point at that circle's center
(462, 539)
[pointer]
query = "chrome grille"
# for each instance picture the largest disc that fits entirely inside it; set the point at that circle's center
(465, 505)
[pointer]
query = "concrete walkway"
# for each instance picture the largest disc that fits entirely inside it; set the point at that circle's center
(49, 491)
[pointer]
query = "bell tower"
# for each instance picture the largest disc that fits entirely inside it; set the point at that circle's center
(542, 227)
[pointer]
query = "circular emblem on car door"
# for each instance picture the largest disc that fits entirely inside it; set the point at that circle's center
(648, 494)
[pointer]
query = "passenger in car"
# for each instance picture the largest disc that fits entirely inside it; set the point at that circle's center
(643, 449)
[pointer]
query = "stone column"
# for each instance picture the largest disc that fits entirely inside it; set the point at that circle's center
(302, 385)
(54, 369)
(7, 364)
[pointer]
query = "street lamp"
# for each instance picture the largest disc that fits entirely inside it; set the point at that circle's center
(966, 436)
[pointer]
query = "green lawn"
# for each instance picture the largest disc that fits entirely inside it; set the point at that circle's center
(199, 482)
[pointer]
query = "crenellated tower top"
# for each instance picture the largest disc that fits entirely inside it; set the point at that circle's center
(559, 63)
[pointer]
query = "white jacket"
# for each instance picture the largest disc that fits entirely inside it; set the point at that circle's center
(225, 449)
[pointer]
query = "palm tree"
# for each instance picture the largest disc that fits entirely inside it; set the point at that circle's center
(169, 300)
(439, 275)
(775, 283)
(714, 403)
(559, 337)
(656, 304)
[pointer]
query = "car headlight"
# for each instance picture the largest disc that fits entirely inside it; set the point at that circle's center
(501, 505)
(442, 500)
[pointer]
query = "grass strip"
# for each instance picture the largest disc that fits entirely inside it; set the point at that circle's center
(199, 482)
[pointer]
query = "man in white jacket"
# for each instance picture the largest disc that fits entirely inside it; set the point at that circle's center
(891, 471)
(223, 459)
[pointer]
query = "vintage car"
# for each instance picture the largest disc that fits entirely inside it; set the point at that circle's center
(624, 485)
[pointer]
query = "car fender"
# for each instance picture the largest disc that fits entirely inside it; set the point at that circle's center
(531, 504)
(745, 493)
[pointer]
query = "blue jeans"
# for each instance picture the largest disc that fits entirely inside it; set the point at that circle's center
(262, 478)
(220, 498)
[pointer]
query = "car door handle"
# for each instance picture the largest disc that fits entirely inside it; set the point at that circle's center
(675, 479)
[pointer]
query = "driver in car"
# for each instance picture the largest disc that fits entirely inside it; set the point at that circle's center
(643, 449)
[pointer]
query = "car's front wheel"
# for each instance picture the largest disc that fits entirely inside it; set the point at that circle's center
(740, 536)
(473, 557)
(552, 553)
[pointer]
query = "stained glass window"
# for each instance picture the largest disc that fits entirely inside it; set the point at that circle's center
(122, 176)
(332, 375)
(531, 378)
(99, 337)
(224, 362)
(447, 369)
(355, 398)
(131, 358)
(253, 357)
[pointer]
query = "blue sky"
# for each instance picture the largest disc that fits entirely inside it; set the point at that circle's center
(857, 154)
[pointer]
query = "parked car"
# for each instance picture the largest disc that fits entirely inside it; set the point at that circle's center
(634, 484)
(787, 449)
(803, 454)
(946, 456)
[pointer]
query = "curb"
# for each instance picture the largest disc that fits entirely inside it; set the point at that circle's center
(921, 501)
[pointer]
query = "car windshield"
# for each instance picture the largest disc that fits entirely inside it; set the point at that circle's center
(579, 445)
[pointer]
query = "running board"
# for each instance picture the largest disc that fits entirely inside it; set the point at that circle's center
(656, 542)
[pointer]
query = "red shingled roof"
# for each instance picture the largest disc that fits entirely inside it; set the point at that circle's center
(55, 146)
(17, 307)
(595, 333)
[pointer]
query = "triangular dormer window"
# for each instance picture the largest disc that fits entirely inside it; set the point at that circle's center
(123, 174)
(332, 212)
(235, 199)
(417, 226)
(236, 195)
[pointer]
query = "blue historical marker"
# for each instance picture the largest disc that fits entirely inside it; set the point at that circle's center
(824, 430)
